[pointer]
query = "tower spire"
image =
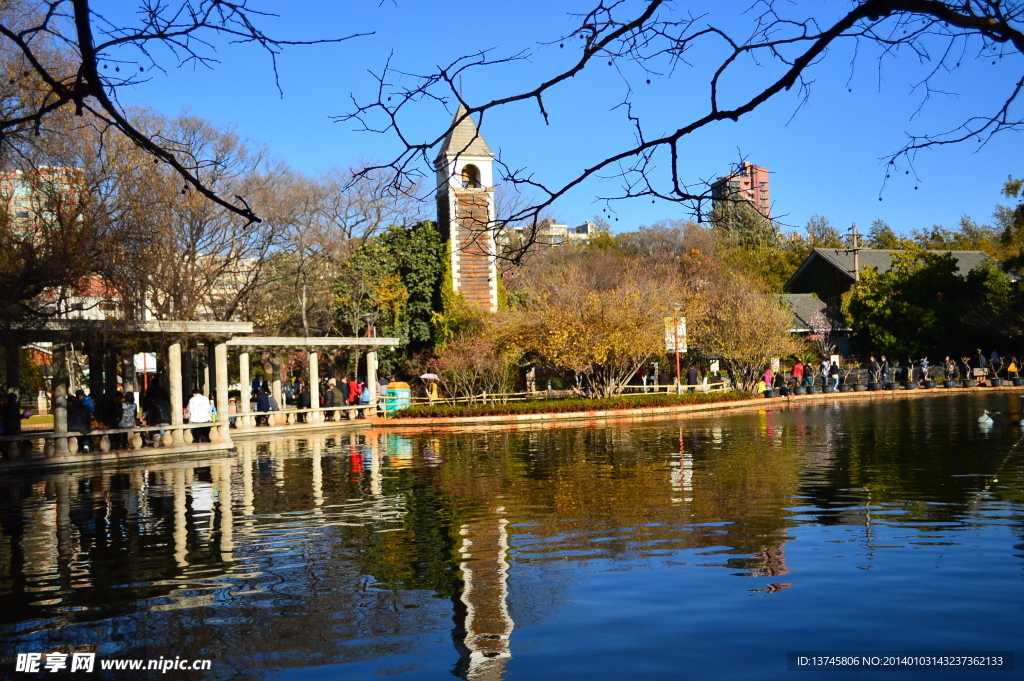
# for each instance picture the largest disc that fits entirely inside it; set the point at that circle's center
(463, 139)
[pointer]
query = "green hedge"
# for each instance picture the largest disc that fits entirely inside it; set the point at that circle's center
(568, 405)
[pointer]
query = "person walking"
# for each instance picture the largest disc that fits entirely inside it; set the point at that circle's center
(798, 373)
(337, 397)
(86, 400)
(354, 391)
(884, 372)
(981, 366)
(158, 412)
(364, 400)
(78, 422)
(262, 407)
(874, 368)
(199, 412)
(126, 419)
(833, 374)
(304, 400)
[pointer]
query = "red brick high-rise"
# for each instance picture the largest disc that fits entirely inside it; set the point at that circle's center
(748, 181)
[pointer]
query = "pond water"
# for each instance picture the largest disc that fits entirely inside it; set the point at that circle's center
(709, 547)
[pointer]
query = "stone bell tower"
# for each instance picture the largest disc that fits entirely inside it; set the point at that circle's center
(465, 211)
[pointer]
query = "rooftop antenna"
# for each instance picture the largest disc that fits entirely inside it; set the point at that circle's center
(855, 249)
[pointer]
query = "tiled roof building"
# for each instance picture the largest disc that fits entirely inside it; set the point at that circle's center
(829, 272)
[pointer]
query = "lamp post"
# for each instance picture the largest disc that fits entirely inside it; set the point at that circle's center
(369, 325)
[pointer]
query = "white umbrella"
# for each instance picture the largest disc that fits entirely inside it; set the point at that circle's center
(430, 377)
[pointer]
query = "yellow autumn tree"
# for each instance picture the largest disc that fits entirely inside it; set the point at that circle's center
(599, 316)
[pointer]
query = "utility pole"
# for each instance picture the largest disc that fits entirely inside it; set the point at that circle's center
(855, 249)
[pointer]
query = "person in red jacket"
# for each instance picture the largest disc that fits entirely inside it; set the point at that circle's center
(354, 391)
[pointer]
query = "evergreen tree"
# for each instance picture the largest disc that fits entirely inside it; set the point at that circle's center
(823, 234)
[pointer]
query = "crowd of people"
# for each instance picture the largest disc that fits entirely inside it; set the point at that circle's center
(800, 376)
(978, 367)
(123, 412)
(880, 369)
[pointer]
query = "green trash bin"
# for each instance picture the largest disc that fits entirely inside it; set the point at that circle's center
(398, 396)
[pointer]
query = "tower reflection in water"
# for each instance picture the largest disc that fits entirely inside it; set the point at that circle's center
(358, 549)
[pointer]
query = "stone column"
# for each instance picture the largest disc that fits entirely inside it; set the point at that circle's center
(128, 372)
(60, 398)
(223, 473)
(211, 370)
(181, 477)
(375, 461)
(243, 403)
(314, 387)
(175, 389)
(186, 372)
(245, 468)
(111, 367)
(13, 369)
(371, 381)
(63, 507)
(318, 476)
(275, 376)
(111, 371)
(220, 358)
(96, 375)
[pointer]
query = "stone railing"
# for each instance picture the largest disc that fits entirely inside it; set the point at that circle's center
(57, 443)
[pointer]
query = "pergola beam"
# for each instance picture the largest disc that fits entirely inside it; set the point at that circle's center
(311, 343)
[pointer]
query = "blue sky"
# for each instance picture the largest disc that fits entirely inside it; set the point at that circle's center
(825, 159)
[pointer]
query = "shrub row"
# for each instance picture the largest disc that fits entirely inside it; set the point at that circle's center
(567, 405)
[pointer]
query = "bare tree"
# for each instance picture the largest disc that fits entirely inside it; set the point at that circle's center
(181, 256)
(53, 233)
(324, 220)
(68, 56)
(655, 41)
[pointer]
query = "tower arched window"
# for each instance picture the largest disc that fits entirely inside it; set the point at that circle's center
(470, 176)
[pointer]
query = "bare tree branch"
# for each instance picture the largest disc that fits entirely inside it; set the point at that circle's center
(57, 42)
(658, 38)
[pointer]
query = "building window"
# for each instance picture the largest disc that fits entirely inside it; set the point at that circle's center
(470, 177)
(764, 185)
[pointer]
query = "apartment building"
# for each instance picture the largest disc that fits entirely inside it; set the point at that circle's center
(747, 181)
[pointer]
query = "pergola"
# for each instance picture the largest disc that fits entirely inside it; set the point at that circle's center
(128, 338)
(312, 346)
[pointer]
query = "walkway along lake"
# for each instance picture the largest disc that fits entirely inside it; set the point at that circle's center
(704, 547)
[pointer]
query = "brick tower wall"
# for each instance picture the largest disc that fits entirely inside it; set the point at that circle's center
(474, 246)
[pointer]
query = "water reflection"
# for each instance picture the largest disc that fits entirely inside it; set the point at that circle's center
(480, 554)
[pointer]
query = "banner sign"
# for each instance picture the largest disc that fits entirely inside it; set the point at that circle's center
(675, 334)
(145, 362)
